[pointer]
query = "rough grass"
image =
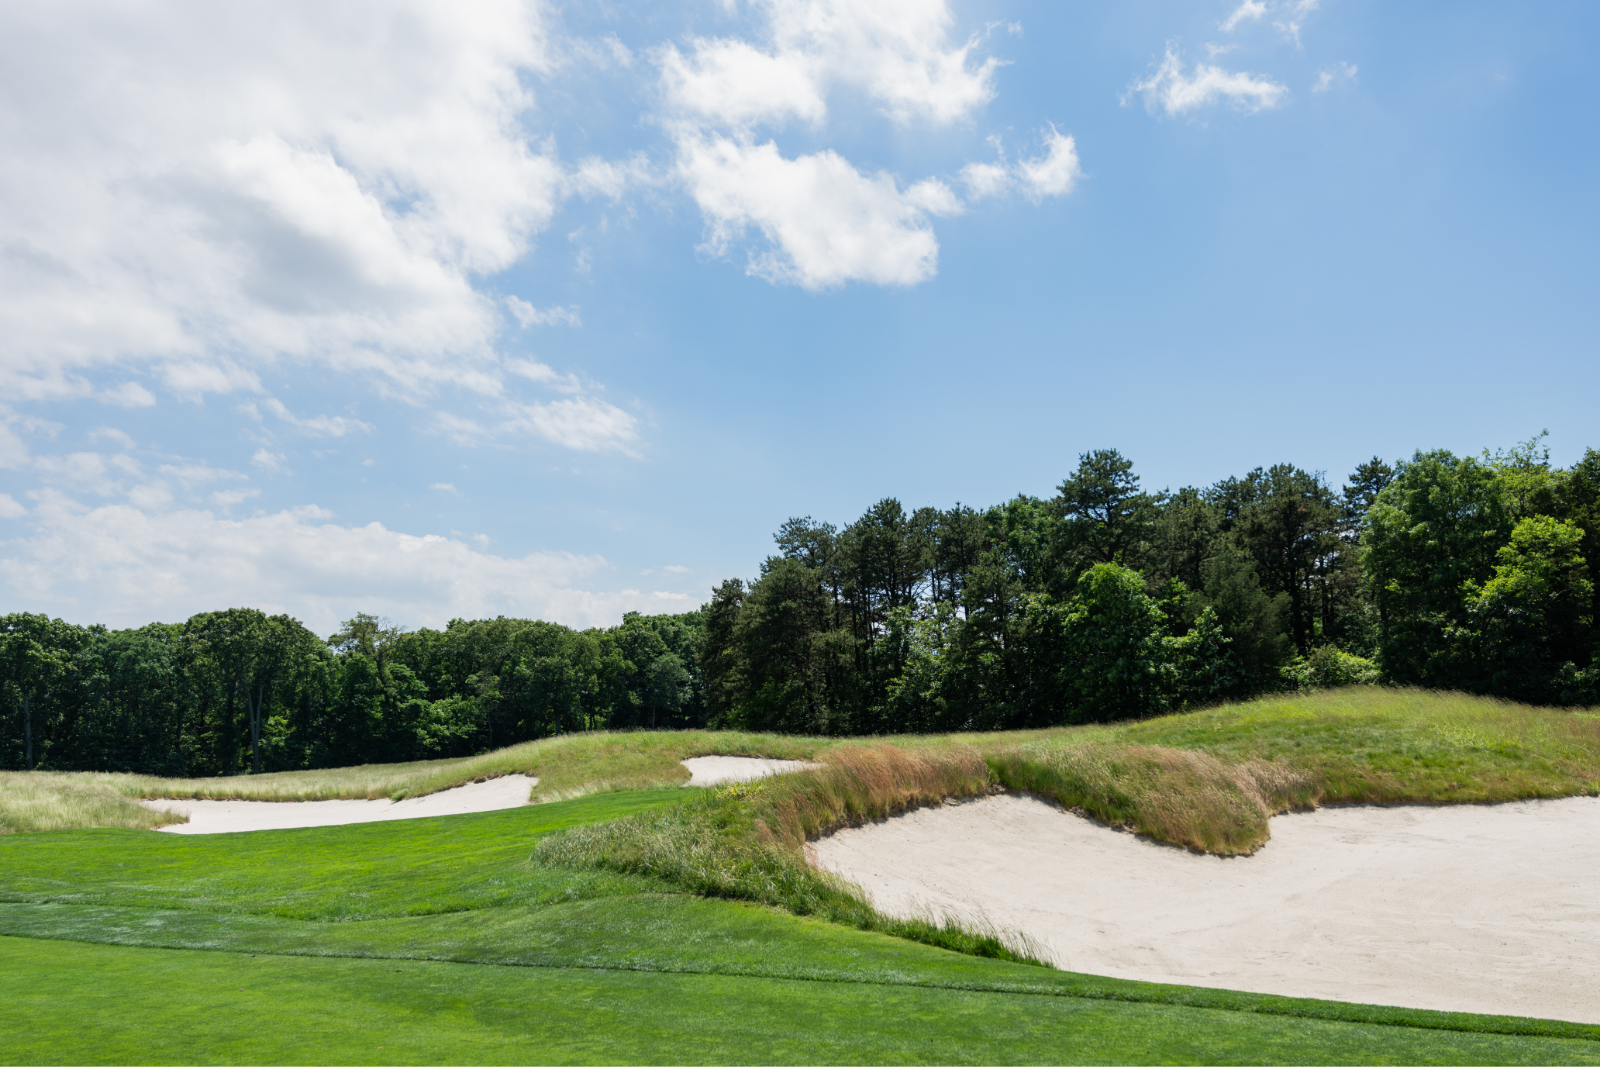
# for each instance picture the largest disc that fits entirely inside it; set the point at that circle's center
(1206, 780)
(567, 767)
(1179, 797)
(747, 841)
(34, 801)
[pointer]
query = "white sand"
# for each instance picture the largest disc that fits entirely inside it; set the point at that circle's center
(715, 770)
(1468, 908)
(233, 816)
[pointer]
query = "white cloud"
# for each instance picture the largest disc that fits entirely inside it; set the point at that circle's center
(271, 462)
(445, 487)
(675, 568)
(529, 315)
(303, 182)
(190, 475)
(594, 176)
(227, 498)
(1326, 79)
(735, 84)
(1248, 11)
(897, 53)
(125, 566)
(583, 423)
(111, 433)
(934, 197)
(984, 180)
(1053, 173)
(1176, 93)
(127, 395)
(10, 508)
(317, 425)
(546, 376)
(827, 222)
(1294, 16)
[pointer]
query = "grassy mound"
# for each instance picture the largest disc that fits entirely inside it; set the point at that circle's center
(1206, 780)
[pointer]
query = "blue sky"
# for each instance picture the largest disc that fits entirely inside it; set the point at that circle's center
(560, 311)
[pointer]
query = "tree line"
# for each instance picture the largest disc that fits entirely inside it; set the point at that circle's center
(1103, 601)
(238, 690)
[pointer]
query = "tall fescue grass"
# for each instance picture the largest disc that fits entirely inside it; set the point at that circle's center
(569, 766)
(747, 841)
(1206, 780)
(1190, 799)
(1210, 780)
(31, 801)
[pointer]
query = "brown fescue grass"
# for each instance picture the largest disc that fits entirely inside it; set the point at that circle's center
(31, 801)
(1189, 799)
(860, 784)
(747, 841)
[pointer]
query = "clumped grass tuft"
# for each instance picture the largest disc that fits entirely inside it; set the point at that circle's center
(1191, 799)
(31, 801)
(747, 841)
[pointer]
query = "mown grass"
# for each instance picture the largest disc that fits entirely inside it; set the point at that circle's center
(107, 1004)
(668, 925)
(466, 890)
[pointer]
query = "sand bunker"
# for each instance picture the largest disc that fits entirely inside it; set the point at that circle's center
(234, 816)
(715, 770)
(1490, 909)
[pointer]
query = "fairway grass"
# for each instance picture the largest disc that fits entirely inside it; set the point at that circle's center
(76, 1003)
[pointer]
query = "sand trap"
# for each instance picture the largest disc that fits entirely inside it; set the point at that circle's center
(234, 816)
(1469, 908)
(715, 770)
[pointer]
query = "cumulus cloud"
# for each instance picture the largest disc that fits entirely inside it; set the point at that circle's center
(820, 220)
(826, 223)
(1176, 93)
(307, 184)
(897, 53)
(125, 565)
(9, 508)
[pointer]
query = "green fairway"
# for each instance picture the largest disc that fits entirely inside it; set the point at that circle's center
(63, 1002)
(442, 940)
(464, 939)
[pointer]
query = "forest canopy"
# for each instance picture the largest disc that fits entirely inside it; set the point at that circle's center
(1104, 601)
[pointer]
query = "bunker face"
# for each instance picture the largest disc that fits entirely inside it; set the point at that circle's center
(234, 816)
(1492, 909)
(715, 770)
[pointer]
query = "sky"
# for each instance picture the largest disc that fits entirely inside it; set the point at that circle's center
(432, 310)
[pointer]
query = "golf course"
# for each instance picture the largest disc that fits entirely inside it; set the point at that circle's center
(620, 916)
